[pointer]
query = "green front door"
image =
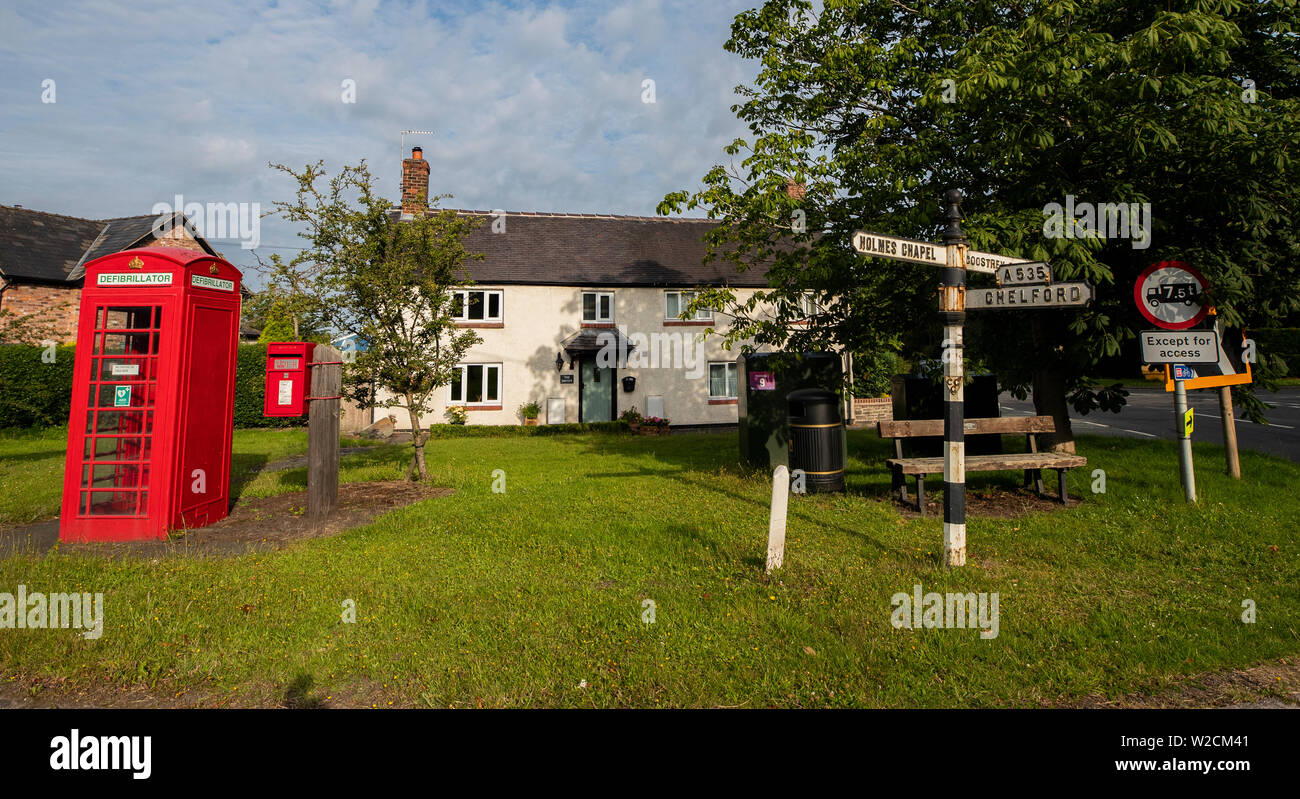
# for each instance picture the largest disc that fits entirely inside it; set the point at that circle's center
(595, 392)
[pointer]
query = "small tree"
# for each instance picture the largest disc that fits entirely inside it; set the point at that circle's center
(388, 281)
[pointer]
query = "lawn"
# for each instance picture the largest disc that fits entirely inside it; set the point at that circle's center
(536, 596)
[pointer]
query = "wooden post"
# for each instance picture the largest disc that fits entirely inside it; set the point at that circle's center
(776, 524)
(1229, 431)
(323, 431)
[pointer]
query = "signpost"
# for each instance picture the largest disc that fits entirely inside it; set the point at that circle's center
(1022, 285)
(1027, 297)
(1231, 369)
(1169, 294)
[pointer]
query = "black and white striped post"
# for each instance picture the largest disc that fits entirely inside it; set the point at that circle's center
(952, 312)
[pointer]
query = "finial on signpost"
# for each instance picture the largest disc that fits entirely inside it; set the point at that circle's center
(952, 214)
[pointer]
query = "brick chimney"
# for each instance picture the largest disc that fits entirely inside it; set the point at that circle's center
(794, 189)
(415, 183)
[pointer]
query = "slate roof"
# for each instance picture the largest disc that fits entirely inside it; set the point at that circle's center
(52, 248)
(598, 250)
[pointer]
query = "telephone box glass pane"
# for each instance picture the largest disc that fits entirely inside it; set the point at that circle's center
(113, 503)
(123, 379)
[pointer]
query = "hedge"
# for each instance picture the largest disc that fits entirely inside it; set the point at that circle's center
(508, 430)
(35, 385)
(1283, 342)
(34, 393)
(250, 391)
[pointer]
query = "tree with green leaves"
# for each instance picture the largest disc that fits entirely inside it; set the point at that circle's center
(387, 281)
(863, 113)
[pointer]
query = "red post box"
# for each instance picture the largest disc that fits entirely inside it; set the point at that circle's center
(287, 380)
(152, 395)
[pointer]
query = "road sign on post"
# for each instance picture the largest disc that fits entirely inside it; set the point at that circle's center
(1170, 295)
(925, 252)
(1028, 297)
(1020, 282)
(1182, 346)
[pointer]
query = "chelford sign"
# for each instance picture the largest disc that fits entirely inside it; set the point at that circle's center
(1059, 295)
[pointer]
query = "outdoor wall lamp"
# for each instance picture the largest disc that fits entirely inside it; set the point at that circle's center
(559, 361)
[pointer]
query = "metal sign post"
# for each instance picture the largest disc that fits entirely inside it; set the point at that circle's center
(1185, 468)
(1170, 295)
(955, 260)
(952, 313)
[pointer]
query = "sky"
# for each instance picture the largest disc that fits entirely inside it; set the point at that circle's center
(534, 106)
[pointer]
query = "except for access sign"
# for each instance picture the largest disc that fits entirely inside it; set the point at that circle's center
(1060, 295)
(1181, 346)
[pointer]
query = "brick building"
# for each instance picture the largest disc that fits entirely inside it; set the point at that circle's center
(42, 257)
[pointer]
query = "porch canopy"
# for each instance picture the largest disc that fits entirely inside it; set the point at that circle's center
(591, 340)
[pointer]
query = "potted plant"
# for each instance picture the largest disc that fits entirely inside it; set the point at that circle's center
(632, 418)
(653, 426)
(456, 414)
(529, 411)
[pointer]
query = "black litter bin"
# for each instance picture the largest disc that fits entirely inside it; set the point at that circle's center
(817, 439)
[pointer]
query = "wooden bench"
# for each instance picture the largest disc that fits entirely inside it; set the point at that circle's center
(1032, 462)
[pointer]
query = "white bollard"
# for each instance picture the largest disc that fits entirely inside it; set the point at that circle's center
(776, 526)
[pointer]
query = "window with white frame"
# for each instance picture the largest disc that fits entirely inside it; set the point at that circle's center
(476, 305)
(597, 306)
(808, 306)
(722, 381)
(476, 384)
(675, 303)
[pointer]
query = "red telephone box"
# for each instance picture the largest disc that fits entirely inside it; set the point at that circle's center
(287, 380)
(152, 395)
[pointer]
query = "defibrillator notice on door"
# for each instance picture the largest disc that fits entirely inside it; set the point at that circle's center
(286, 392)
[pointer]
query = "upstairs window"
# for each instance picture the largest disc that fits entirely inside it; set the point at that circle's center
(808, 306)
(597, 306)
(676, 301)
(476, 305)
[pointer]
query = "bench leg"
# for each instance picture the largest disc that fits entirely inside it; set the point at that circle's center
(898, 484)
(1038, 482)
(1065, 492)
(920, 494)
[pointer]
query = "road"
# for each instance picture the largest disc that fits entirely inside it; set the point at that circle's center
(1150, 414)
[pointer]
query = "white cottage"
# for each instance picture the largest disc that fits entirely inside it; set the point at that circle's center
(580, 313)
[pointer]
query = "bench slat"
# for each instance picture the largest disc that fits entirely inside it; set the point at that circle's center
(922, 428)
(992, 463)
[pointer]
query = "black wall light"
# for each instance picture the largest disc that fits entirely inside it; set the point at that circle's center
(559, 361)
